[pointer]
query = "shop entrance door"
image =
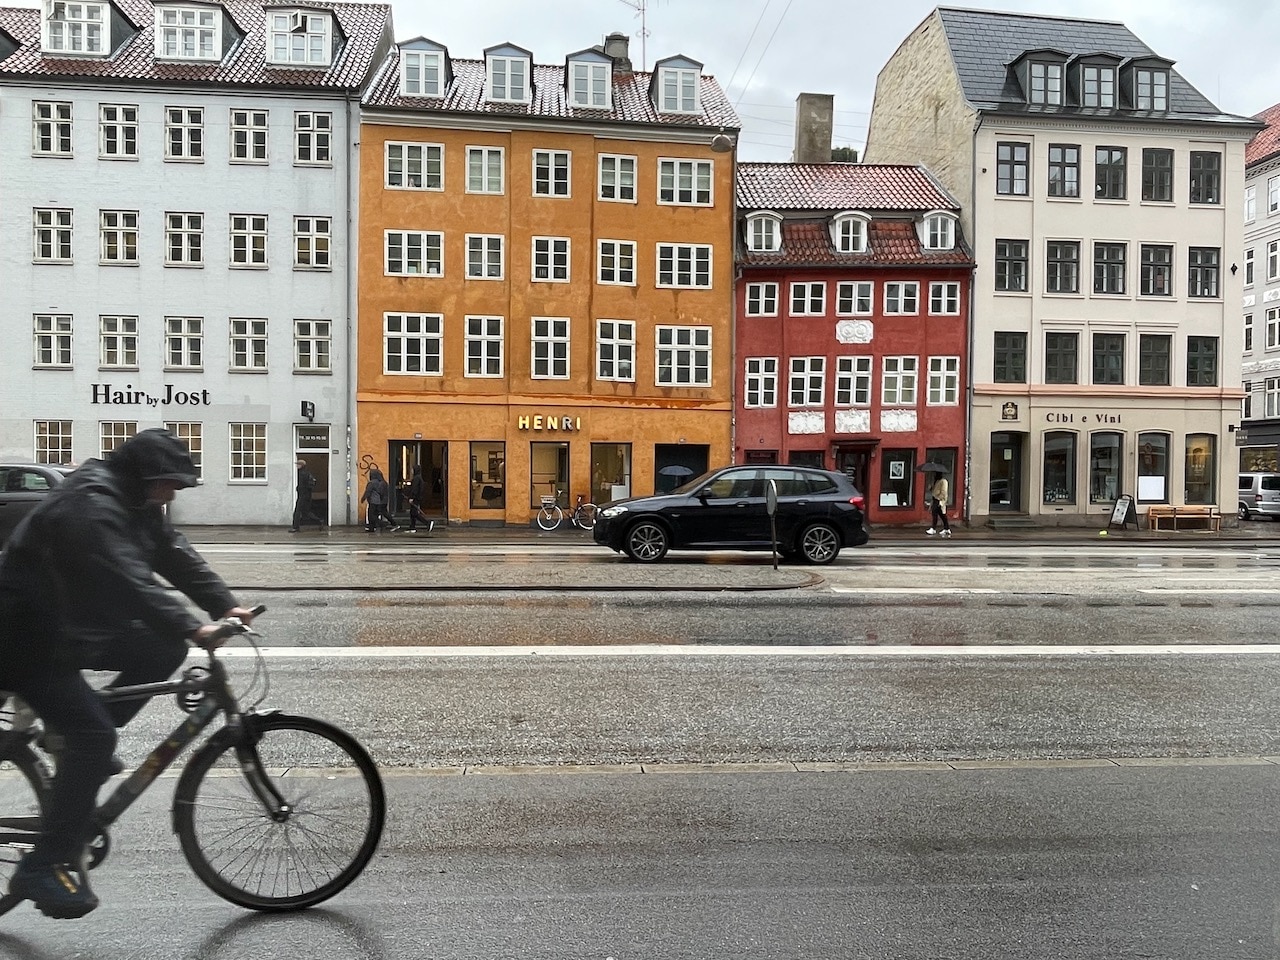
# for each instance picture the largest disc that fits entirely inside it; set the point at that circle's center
(1006, 473)
(403, 456)
(855, 463)
(311, 444)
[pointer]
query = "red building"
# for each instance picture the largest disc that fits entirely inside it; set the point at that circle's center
(852, 328)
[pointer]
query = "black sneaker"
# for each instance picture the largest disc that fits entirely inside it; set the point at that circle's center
(55, 889)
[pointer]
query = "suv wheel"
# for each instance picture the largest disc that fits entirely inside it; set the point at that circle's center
(819, 543)
(647, 542)
(1242, 512)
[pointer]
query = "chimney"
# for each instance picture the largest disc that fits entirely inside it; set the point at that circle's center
(616, 46)
(814, 117)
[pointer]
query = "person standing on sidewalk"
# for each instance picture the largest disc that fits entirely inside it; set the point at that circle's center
(302, 506)
(376, 495)
(938, 507)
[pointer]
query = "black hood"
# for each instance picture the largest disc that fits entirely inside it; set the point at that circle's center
(154, 454)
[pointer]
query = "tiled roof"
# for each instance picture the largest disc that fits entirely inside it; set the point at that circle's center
(365, 27)
(807, 243)
(631, 103)
(840, 186)
(983, 43)
(1266, 144)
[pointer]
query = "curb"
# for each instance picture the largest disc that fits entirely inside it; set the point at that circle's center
(810, 580)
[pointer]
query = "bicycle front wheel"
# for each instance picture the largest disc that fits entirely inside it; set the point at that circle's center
(586, 515)
(549, 517)
(304, 850)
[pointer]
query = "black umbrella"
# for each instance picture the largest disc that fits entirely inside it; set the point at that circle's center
(675, 470)
(933, 466)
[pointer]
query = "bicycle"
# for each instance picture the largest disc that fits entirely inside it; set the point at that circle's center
(273, 812)
(583, 515)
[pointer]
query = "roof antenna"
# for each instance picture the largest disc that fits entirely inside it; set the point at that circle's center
(640, 7)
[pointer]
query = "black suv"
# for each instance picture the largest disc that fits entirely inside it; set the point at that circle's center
(818, 513)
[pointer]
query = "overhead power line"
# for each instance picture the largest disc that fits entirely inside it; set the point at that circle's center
(746, 86)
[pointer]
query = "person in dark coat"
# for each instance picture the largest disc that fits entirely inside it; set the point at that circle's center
(306, 486)
(377, 494)
(78, 590)
(417, 489)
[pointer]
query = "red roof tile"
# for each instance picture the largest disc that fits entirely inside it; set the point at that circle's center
(1266, 142)
(840, 186)
(807, 243)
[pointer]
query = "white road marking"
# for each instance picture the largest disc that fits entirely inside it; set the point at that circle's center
(918, 591)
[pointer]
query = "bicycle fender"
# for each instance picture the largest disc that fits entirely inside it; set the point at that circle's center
(228, 736)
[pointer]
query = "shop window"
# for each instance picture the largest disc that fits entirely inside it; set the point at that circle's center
(1201, 468)
(1059, 467)
(549, 473)
(806, 458)
(488, 475)
(610, 472)
(897, 478)
(1105, 473)
(1153, 467)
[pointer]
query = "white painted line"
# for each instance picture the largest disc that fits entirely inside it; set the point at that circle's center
(1194, 591)
(917, 591)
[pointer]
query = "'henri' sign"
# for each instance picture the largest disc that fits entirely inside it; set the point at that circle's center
(105, 393)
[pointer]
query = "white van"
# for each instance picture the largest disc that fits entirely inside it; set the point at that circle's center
(1259, 495)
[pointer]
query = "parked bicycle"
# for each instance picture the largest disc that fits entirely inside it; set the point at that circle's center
(274, 812)
(582, 515)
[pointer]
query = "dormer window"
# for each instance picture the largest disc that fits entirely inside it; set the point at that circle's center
(849, 233)
(301, 38)
(421, 73)
(75, 27)
(1097, 86)
(509, 70)
(1150, 89)
(679, 91)
(591, 84)
(939, 231)
(1046, 83)
(188, 33)
(764, 232)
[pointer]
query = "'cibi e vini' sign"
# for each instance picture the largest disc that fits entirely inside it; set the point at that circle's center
(105, 393)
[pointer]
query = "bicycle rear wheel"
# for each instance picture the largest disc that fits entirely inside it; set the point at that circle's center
(586, 515)
(318, 842)
(549, 517)
(24, 792)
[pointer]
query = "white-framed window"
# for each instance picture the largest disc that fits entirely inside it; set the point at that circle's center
(484, 346)
(421, 73)
(616, 350)
(550, 348)
(75, 27)
(1248, 267)
(590, 84)
(764, 232)
(1273, 183)
(762, 299)
(312, 346)
(312, 138)
(1271, 397)
(939, 232)
(118, 342)
(508, 79)
(247, 451)
(551, 173)
(118, 131)
(849, 233)
(183, 343)
(248, 239)
(52, 232)
(53, 340)
(855, 298)
(853, 381)
(484, 169)
(415, 166)
(808, 299)
(51, 128)
(684, 265)
(944, 299)
(807, 384)
(1273, 260)
(485, 256)
(184, 134)
(248, 142)
(188, 33)
(683, 356)
(901, 297)
(53, 441)
(761, 382)
(616, 262)
(678, 90)
(311, 243)
(112, 433)
(1273, 328)
(248, 344)
(944, 381)
(685, 182)
(550, 260)
(617, 180)
(1250, 203)
(412, 253)
(413, 344)
(192, 434)
(898, 381)
(184, 239)
(300, 37)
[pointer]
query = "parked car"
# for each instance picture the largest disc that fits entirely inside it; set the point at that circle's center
(1259, 495)
(22, 486)
(819, 513)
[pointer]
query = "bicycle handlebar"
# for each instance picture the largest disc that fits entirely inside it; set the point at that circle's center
(233, 625)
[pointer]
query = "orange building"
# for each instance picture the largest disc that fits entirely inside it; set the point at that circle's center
(545, 277)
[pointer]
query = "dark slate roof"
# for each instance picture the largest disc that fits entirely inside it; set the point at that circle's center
(365, 27)
(983, 43)
(1266, 143)
(631, 103)
(891, 243)
(831, 187)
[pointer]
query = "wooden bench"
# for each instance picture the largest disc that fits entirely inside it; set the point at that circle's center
(1173, 516)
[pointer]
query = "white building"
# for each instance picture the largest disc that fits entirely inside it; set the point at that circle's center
(176, 187)
(1259, 436)
(1101, 191)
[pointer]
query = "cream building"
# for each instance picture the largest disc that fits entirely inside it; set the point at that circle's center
(1102, 193)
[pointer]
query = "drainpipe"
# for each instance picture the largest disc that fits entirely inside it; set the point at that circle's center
(973, 242)
(353, 168)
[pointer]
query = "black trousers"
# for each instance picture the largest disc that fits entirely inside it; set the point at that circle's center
(302, 513)
(938, 515)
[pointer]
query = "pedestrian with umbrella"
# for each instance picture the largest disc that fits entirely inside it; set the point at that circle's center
(939, 494)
